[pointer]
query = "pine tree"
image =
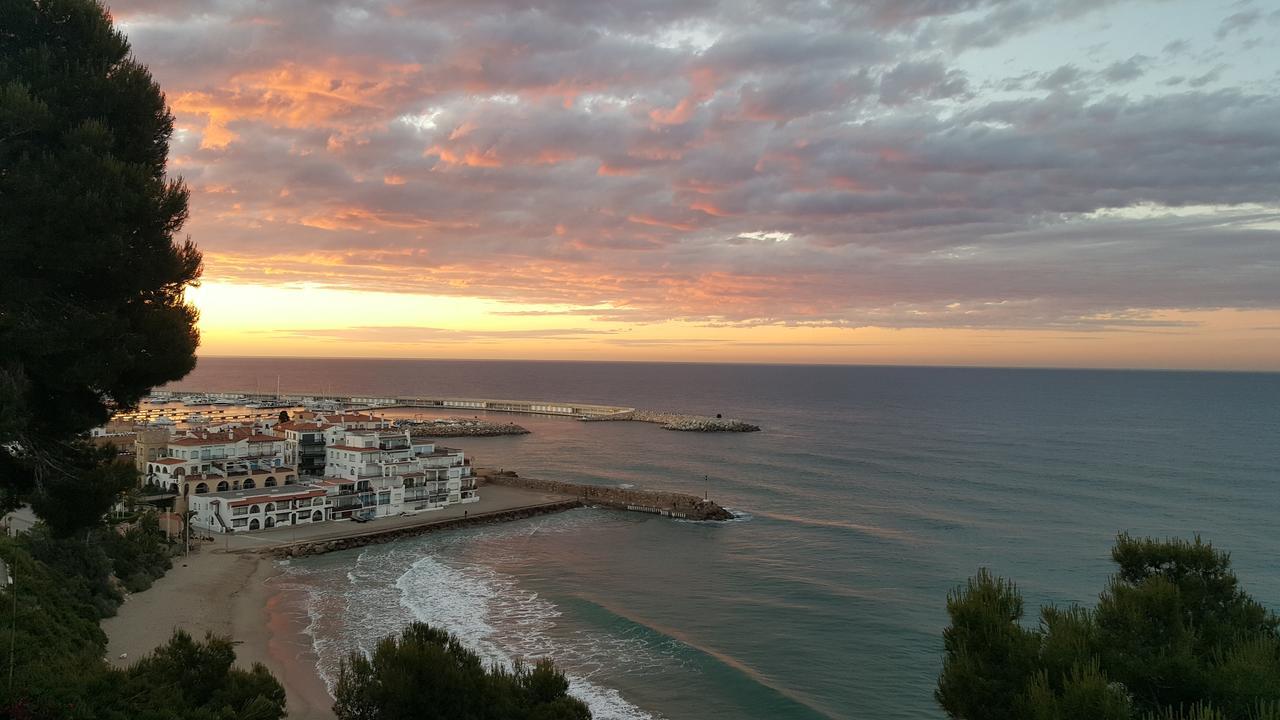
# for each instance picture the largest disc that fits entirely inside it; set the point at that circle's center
(92, 276)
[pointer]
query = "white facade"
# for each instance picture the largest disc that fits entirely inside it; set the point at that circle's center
(375, 473)
(261, 508)
(212, 461)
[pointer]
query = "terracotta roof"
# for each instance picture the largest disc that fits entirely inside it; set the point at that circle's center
(169, 461)
(258, 499)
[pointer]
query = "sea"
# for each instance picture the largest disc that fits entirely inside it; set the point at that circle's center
(869, 495)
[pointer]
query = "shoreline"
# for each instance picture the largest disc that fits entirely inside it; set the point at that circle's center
(230, 588)
(234, 595)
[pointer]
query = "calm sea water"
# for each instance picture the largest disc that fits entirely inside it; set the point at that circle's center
(870, 494)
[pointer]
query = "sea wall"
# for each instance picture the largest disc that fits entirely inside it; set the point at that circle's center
(378, 537)
(670, 504)
(457, 427)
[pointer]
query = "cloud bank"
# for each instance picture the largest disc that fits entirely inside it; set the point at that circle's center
(792, 162)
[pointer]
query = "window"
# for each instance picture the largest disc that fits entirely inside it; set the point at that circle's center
(254, 509)
(239, 523)
(239, 511)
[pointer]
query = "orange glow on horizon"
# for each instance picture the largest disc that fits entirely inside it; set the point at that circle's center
(314, 321)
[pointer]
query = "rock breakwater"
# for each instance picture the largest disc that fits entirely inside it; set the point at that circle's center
(668, 504)
(460, 427)
(679, 421)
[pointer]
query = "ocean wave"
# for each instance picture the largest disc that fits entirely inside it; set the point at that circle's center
(501, 621)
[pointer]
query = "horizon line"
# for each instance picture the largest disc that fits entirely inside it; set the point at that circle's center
(1083, 368)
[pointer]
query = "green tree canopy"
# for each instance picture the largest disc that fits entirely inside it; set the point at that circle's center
(1173, 637)
(427, 674)
(92, 312)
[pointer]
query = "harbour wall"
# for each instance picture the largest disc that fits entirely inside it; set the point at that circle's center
(668, 504)
(579, 411)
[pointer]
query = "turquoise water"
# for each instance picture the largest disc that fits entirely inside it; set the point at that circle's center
(871, 493)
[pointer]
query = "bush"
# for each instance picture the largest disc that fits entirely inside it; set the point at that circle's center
(59, 672)
(1173, 637)
(427, 674)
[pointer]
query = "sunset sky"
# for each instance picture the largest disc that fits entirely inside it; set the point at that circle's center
(997, 182)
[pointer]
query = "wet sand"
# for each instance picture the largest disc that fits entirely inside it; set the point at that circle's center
(230, 594)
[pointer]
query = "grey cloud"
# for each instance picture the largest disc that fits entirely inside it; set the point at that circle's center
(1209, 77)
(554, 168)
(909, 81)
(1126, 70)
(1238, 23)
(1062, 78)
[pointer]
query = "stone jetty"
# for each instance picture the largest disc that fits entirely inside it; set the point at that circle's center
(376, 536)
(460, 427)
(680, 421)
(573, 495)
(667, 504)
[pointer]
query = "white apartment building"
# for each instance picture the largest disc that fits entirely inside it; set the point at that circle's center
(376, 473)
(260, 508)
(308, 433)
(199, 462)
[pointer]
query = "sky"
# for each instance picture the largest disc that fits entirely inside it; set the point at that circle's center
(991, 182)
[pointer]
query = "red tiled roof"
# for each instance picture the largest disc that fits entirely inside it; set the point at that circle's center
(169, 461)
(262, 499)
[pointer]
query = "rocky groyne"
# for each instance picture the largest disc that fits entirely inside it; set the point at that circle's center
(679, 421)
(460, 427)
(378, 537)
(668, 504)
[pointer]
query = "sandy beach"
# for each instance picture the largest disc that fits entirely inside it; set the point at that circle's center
(227, 594)
(227, 588)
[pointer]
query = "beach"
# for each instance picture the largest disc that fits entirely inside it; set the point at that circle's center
(229, 594)
(227, 587)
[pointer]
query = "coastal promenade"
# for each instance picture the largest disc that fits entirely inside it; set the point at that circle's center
(495, 504)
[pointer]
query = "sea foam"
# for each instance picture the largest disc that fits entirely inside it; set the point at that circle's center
(500, 621)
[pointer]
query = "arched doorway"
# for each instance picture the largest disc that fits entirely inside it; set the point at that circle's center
(202, 488)
(271, 522)
(248, 485)
(254, 525)
(270, 482)
(269, 508)
(316, 516)
(223, 486)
